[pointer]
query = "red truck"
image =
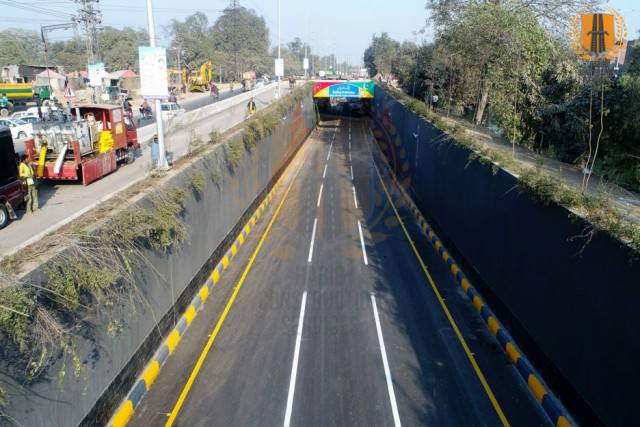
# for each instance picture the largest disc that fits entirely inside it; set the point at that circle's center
(89, 146)
(12, 190)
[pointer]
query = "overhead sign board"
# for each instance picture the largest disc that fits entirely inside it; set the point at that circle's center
(153, 72)
(343, 89)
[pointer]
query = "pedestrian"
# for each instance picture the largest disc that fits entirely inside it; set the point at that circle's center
(26, 174)
(251, 107)
(434, 101)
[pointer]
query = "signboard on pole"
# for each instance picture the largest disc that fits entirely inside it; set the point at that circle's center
(305, 64)
(96, 74)
(153, 72)
(279, 67)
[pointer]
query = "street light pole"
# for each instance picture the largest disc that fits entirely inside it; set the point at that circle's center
(279, 53)
(162, 158)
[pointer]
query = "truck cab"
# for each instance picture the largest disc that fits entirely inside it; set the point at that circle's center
(12, 190)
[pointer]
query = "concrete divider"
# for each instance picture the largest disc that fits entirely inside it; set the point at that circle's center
(166, 285)
(567, 297)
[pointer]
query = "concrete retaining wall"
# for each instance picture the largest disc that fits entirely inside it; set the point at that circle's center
(111, 364)
(570, 306)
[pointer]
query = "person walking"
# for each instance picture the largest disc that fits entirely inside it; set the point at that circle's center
(26, 174)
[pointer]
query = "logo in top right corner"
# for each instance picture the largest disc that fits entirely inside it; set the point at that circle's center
(599, 36)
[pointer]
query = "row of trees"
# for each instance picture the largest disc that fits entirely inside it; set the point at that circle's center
(237, 41)
(508, 65)
(118, 49)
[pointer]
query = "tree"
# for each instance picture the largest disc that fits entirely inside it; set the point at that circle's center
(241, 35)
(379, 56)
(19, 46)
(119, 48)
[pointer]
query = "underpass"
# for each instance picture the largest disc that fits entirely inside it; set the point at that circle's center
(338, 312)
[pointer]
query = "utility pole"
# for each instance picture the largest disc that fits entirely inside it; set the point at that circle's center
(162, 157)
(279, 53)
(44, 29)
(235, 7)
(90, 17)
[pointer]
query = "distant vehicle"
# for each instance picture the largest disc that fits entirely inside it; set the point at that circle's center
(248, 81)
(171, 109)
(259, 84)
(21, 93)
(12, 190)
(19, 128)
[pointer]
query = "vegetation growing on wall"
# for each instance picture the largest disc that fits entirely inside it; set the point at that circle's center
(544, 187)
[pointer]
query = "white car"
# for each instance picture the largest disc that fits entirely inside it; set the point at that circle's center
(259, 84)
(171, 109)
(30, 119)
(19, 128)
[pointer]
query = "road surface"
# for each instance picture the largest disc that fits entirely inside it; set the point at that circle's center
(59, 202)
(335, 322)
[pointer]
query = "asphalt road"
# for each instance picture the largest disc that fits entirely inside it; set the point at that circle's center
(61, 201)
(334, 326)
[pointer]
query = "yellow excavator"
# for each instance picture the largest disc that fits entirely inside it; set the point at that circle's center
(200, 79)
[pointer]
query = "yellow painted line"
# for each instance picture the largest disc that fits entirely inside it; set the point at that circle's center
(247, 229)
(124, 414)
(465, 284)
(253, 220)
(225, 262)
(190, 314)
(196, 369)
(241, 239)
(234, 249)
(477, 303)
(151, 373)
(454, 325)
(563, 422)
(454, 269)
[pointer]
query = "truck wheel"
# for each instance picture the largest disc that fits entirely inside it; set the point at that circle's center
(21, 135)
(4, 112)
(131, 156)
(4, 216)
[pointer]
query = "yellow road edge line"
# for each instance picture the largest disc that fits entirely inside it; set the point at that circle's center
(453, 323)
(196, 369)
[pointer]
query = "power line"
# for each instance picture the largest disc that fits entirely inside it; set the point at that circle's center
(90, 17)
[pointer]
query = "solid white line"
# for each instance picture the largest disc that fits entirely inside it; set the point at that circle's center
(320, 195)
(313, 239)
(351, 169)
(355, 199)
(385, 364)
(364, 250)
(325, 171)
(349, 155)
(294, 368)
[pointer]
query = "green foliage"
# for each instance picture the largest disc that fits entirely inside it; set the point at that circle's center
(547, 189)
(233, 150)
(215, 136)
(70, 281)
(16, 307)
(3, 398)
(196, 180)
(18, 46)
(380, 55)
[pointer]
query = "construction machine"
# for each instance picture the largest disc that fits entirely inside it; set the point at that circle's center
(200, 79)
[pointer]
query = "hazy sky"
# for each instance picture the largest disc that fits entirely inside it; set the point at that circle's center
(341, 26)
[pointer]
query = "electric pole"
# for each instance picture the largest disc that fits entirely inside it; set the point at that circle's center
(90, 17)
(235, 8)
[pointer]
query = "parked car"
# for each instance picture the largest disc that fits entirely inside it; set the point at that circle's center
(31, 119)
(171, 109)
(12, 190)
(259, 84)
(19, 128)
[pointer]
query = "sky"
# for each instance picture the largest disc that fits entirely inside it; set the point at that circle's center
(340, 26)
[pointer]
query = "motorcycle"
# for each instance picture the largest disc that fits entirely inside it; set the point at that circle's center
(146, 113)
